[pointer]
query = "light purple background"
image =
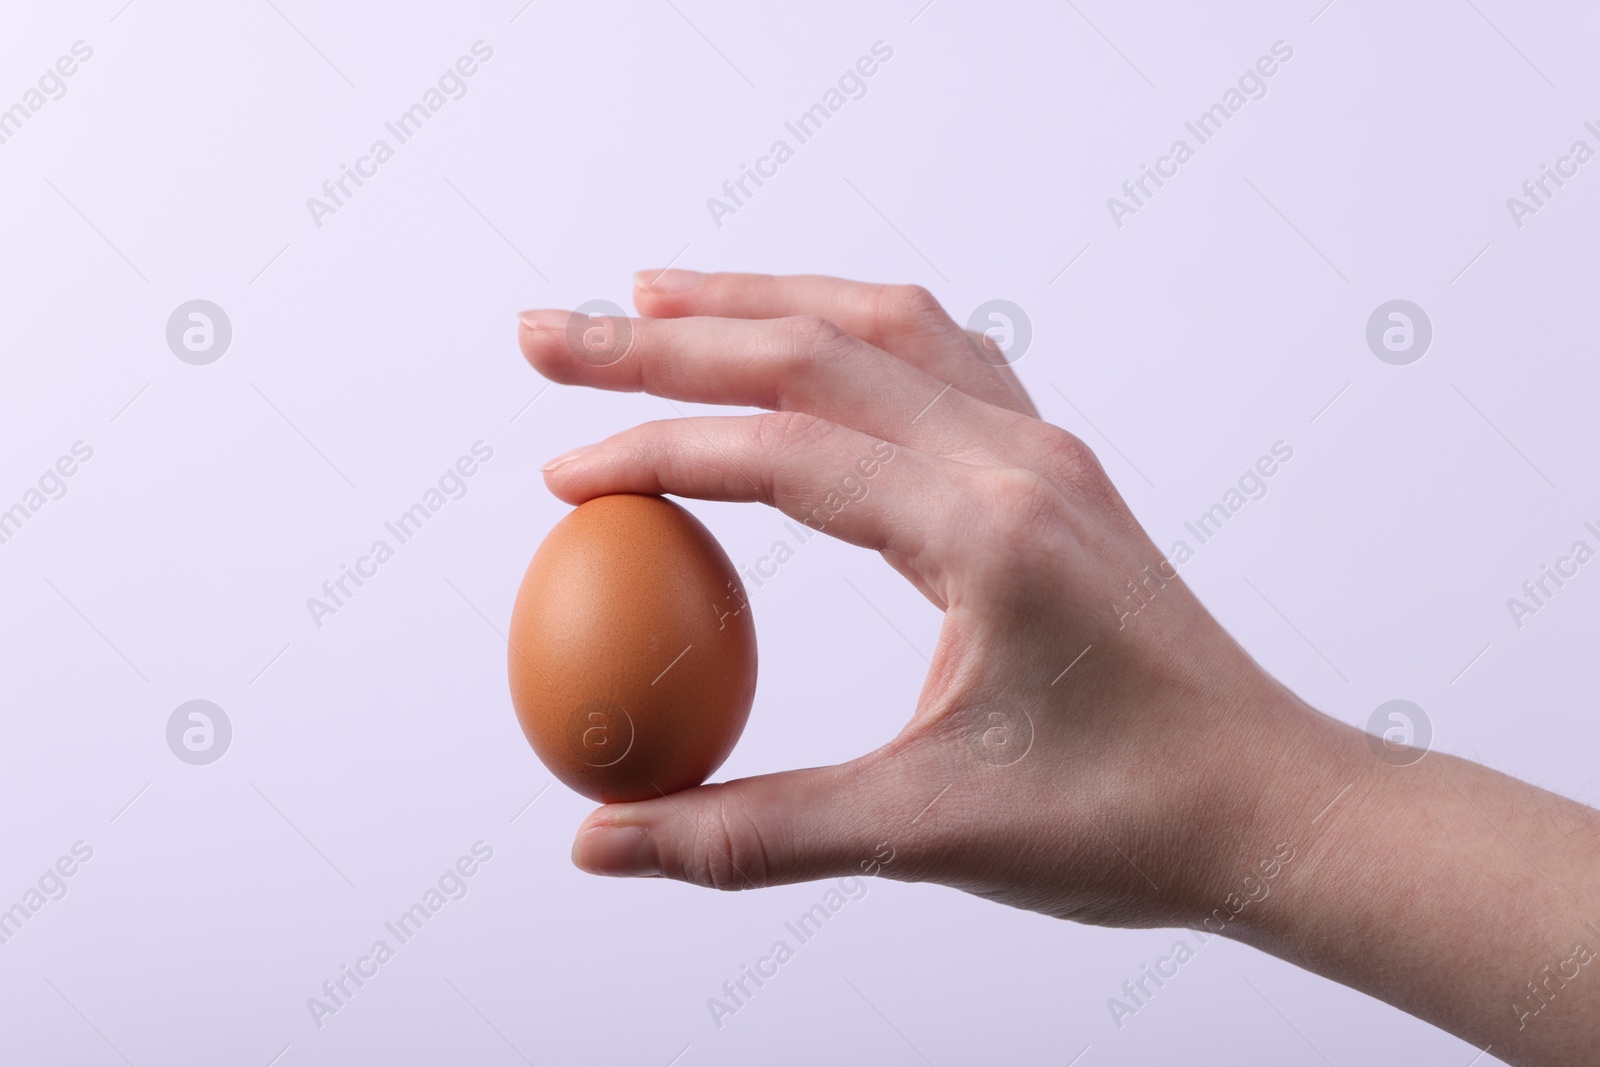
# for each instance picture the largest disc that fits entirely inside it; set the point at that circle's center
(373, 752)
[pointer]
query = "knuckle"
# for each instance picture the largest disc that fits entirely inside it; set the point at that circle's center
(728, 857)
(1068, 460)
(1025, 510)
(780, 432)
(909, 307)
(813, 333)
(811, 349)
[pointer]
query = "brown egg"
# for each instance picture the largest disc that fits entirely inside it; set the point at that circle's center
(633, 654)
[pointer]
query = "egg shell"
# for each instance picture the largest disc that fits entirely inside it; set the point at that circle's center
(632, 650)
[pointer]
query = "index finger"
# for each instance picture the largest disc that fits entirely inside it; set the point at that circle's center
(853, 486)
(905, 320)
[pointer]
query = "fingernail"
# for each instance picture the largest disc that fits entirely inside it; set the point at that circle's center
(668, 281)
(544, 319)
(619, 851)
(565, 458)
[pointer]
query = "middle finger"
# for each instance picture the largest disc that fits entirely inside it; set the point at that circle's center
(801, 363)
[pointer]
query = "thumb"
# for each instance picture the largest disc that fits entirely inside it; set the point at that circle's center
(773, 829)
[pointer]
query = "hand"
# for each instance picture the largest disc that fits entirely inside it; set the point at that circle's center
(1081, 759)
(1089, 743)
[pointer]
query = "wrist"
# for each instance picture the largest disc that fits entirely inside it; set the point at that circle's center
(1299, 775)
(1442, 887)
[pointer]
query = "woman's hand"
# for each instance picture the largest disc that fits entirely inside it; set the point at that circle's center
(1089, 743)
(1088, 739)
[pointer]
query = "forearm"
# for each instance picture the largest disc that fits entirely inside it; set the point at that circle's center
(1456, 893)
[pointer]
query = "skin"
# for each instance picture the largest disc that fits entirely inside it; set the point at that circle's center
(1067, 754)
